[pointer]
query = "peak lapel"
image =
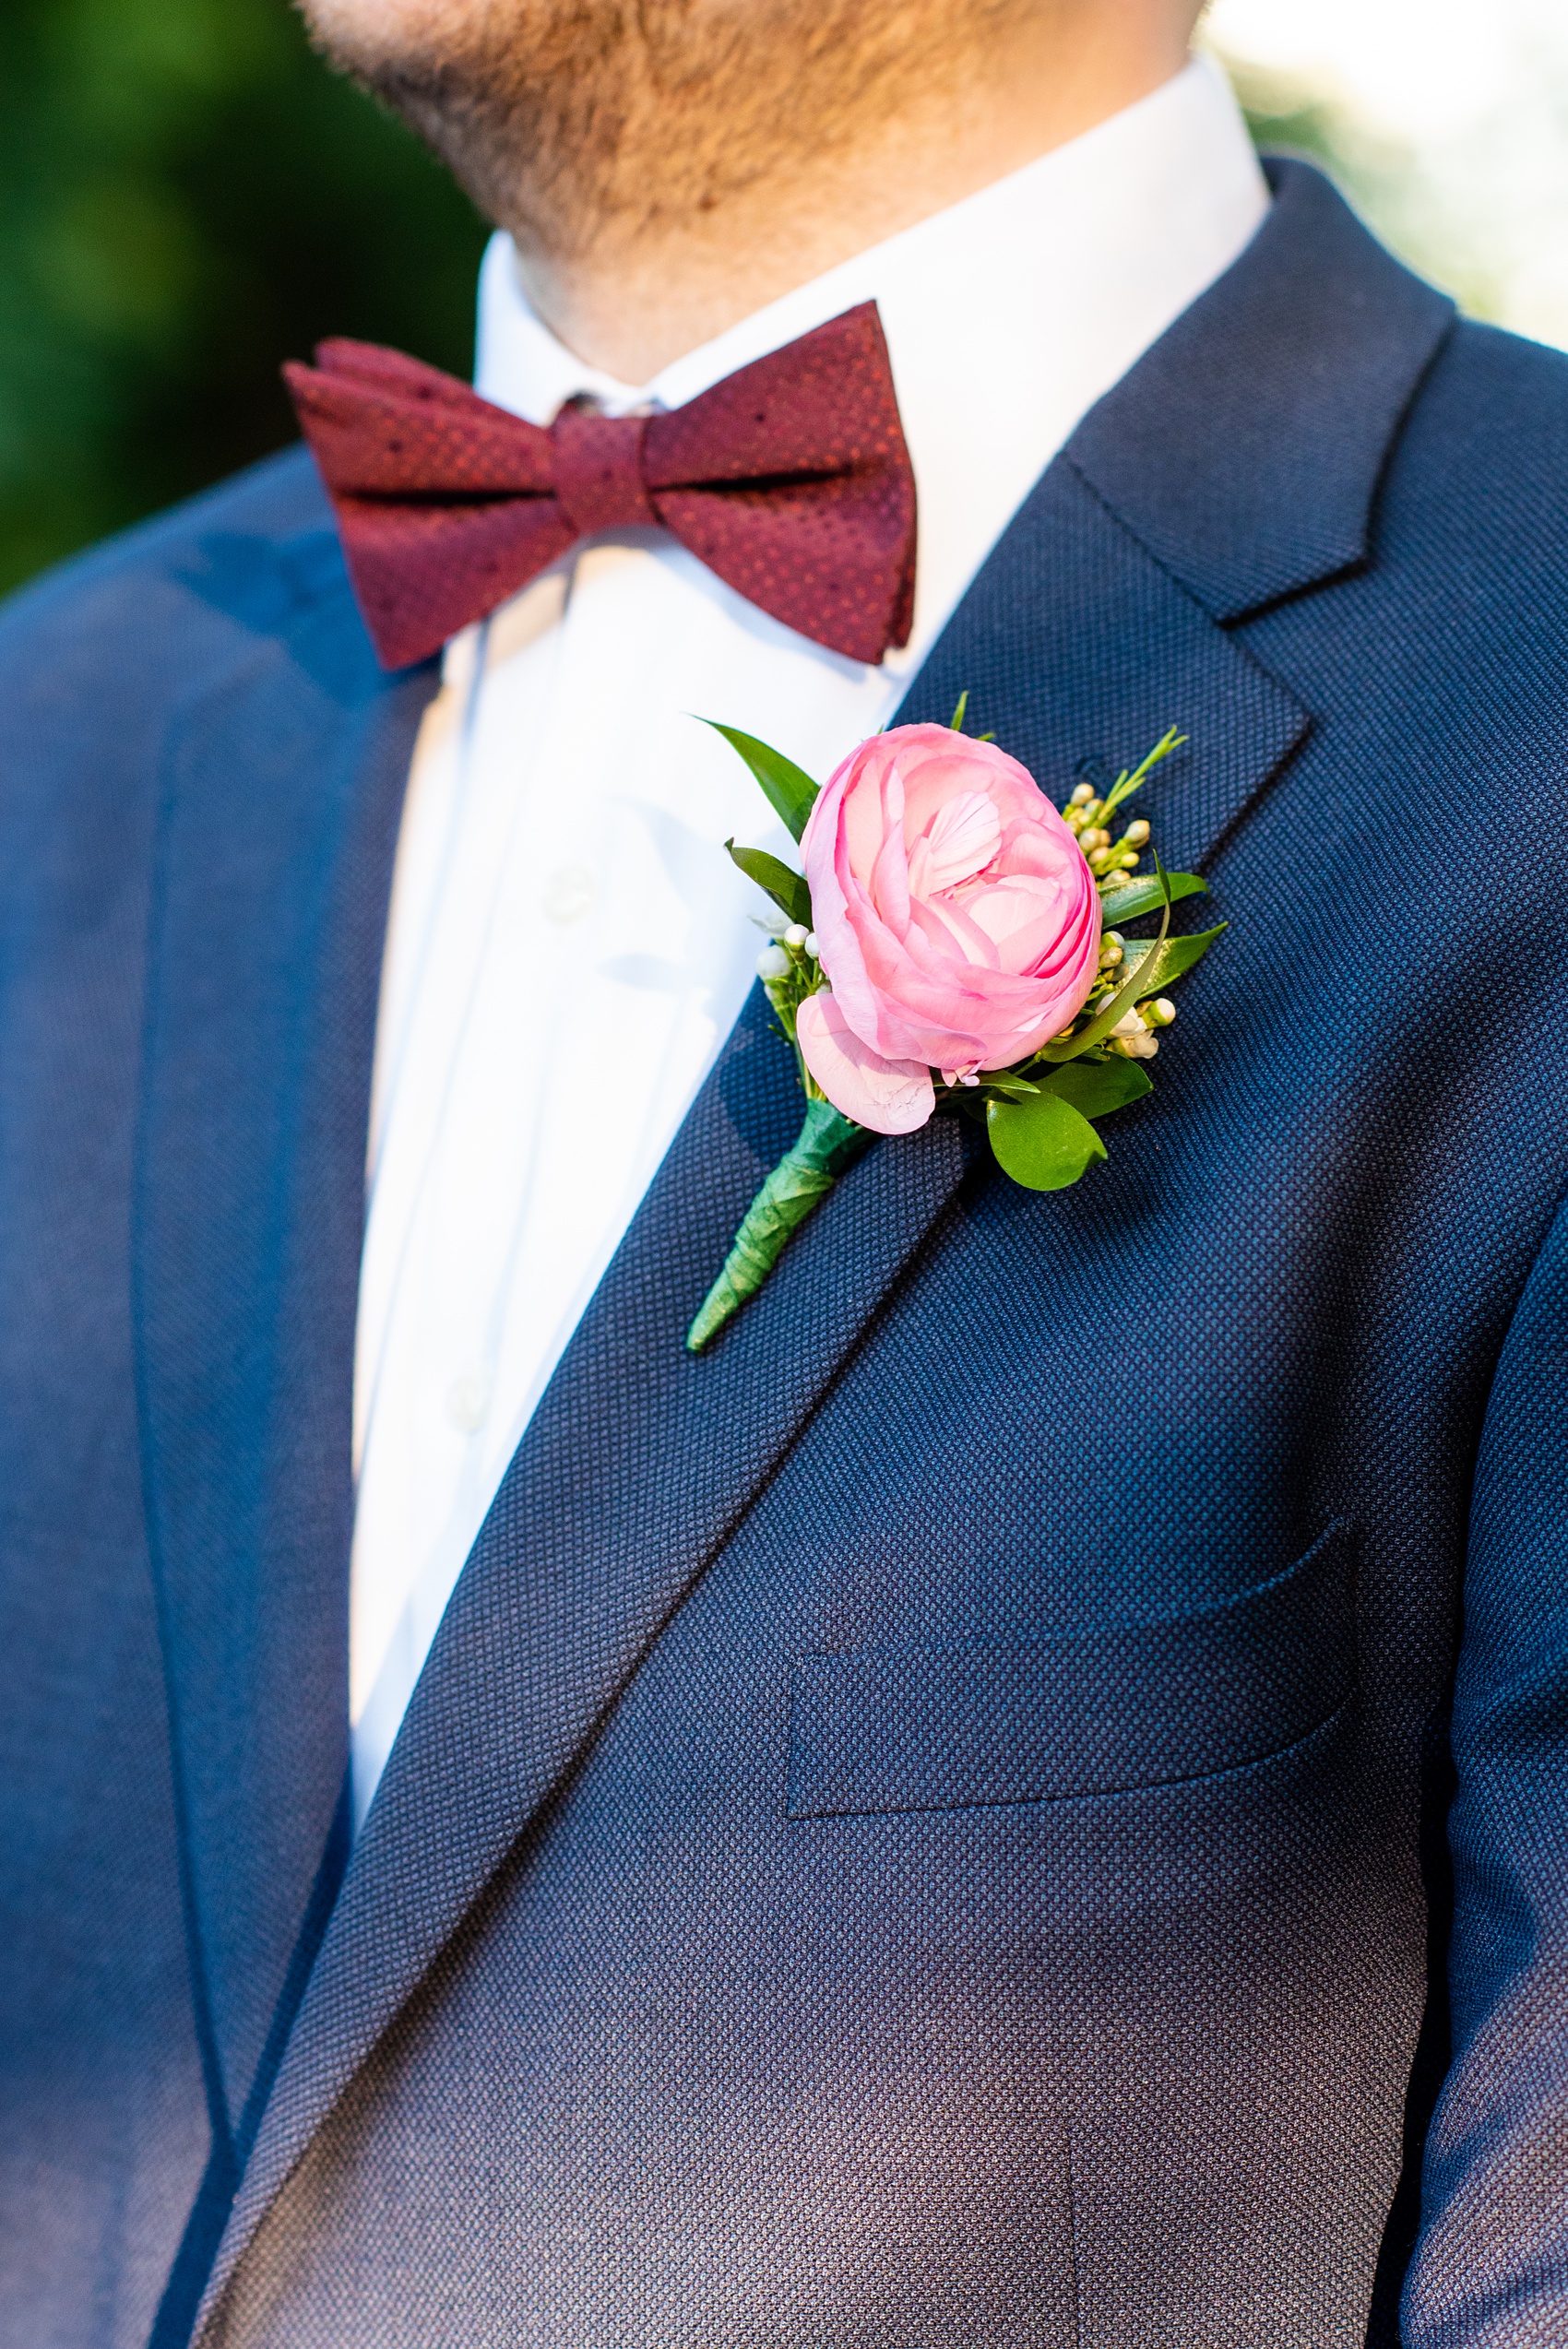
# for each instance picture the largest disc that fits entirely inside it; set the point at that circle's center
(278, 829)
(1078, 642)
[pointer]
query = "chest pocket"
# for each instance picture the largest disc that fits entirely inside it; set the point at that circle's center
(1097, 1710)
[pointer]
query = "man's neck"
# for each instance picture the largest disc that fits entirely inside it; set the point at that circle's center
(630, 308)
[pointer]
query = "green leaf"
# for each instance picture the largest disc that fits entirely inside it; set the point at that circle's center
(787, 889)
(1159, 966)
(1144, 896)
(791, 791)
(1096, 1087)
(1043, 1143)
(955, 723)
(1126, 995)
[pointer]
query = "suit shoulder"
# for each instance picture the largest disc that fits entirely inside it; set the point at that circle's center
(1491, 421)
(137, 595)
(1453, 632)
(1471, 518)
(98, 657)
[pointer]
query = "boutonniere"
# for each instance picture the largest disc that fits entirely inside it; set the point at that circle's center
(952, 943)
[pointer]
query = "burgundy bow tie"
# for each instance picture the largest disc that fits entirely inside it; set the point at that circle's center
(789, 479)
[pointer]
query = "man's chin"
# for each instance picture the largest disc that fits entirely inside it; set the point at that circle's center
(360, 35)
(567, 119)
(473, 77)
(489, 52)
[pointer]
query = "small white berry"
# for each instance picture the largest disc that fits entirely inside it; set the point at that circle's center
(1138, 834)
(1132, 1039)
(1138, 1046)
(797, 934)
(811, 945)
(773, 963)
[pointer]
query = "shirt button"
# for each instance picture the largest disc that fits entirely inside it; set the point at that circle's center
(468, 1400)
(568, 894)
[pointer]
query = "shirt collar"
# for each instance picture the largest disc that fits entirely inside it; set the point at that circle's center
(1006, 315)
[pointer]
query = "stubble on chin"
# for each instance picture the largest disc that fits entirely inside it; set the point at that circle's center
(574, 121)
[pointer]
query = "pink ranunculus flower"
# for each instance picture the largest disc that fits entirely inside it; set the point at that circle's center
(955, 917)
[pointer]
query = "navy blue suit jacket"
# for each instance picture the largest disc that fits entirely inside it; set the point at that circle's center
(1024, 1798)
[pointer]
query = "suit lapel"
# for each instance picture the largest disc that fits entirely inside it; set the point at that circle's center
(1079, 650)
(278, 823)
(1245, 451)
(1236, 464)
(1080, 643)
(634, 1469)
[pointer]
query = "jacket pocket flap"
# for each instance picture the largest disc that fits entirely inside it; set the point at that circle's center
(1092, 1711)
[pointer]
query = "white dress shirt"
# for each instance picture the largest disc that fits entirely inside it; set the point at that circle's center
(568, 943)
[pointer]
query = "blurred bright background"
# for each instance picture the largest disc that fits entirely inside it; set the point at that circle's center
(1446, 122)
(186, 198)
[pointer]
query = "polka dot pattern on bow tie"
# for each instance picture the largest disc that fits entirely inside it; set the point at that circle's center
(791, 479)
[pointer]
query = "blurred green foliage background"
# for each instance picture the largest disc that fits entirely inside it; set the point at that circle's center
(187, 197)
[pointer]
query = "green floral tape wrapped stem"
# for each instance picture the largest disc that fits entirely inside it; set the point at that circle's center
(829, 1144)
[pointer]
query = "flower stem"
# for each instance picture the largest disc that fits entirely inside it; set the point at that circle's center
(828, 1145)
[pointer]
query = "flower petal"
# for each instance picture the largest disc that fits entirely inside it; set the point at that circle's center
(890, 1096)
(973, 974)
(959, 841)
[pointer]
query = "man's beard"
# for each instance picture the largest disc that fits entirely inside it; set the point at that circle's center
(572, 120)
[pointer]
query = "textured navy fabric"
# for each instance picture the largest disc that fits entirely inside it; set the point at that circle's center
(931, 1823)
(1097, 1710)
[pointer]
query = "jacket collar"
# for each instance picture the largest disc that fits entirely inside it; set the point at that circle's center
(1093, 626)
(1244, 450)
